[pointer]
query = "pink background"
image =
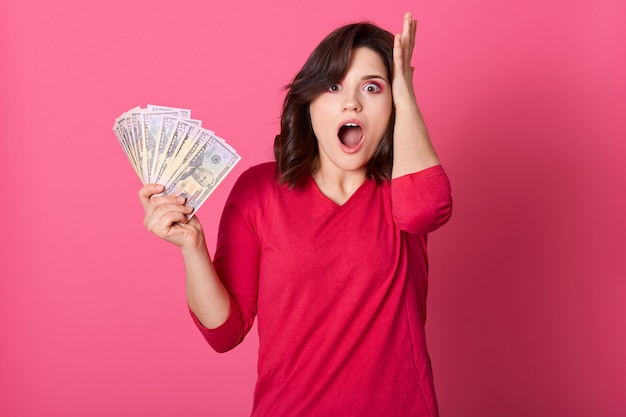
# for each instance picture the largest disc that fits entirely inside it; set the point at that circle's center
(525, 101)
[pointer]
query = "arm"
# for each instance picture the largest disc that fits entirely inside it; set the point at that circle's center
(413, 150)
(166, 217)
(421, 201)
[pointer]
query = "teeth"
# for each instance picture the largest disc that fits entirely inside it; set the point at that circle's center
(351, 125)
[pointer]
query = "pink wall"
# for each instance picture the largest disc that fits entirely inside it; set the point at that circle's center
(525, 101)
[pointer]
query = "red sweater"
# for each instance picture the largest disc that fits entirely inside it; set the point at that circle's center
(340, 293)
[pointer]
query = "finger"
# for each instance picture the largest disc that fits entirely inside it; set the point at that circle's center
(167, 201)
(406, 24)
(397, 53)
(195, 223)
(172, 218)
(401, 53)
(160, 204)
(397, 46)
(169, 226)
(407, 29)
(408, 37)
(148, 191)
(165, 216)
(413, 32)
(158, 200)
(163, 208)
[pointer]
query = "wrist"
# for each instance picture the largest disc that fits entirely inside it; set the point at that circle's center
(407, 106)
(406, 100)
(194, 244)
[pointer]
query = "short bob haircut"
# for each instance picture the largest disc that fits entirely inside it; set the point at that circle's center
(295, 148)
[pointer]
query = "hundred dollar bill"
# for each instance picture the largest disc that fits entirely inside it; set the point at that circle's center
(212, 161)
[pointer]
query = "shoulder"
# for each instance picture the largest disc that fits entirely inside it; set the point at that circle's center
(254, 184)
(265, 169)
(257, 176)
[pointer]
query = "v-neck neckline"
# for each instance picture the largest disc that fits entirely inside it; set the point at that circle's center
(324, 197)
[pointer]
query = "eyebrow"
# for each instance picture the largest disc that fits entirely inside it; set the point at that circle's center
(373, 77)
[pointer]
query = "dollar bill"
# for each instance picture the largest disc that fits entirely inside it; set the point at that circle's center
(164, 145)
(212, 160)
(152, 124)
(140, 144)
(182, 113)
(169, 160)
(133, 146)
(168, 128)
(122, 130)
(120, 133)
(122, 127)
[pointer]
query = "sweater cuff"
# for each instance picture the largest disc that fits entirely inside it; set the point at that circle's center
(419, 175)
(220, 338)
(421, 201)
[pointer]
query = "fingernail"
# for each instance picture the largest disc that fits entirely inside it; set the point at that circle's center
(180, 199)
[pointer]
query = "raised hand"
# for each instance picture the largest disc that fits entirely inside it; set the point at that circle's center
(413, 150)
(402, 83)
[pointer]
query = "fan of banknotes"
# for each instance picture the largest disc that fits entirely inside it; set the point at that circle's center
(166, 146)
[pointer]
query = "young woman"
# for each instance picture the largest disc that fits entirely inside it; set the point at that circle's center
(327, 245)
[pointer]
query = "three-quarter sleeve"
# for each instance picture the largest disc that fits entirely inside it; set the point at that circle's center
(421, 201)
(237, 264)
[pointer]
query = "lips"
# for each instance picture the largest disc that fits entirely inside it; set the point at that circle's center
(351, 136)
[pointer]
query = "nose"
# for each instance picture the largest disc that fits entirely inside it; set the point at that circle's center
(351, 101)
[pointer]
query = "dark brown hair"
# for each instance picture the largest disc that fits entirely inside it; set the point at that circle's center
(295, 148)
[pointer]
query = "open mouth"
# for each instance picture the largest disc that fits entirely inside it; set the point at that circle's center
(350, 134)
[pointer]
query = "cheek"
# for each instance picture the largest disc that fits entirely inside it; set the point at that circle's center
(318, 118)
(383, 104)
(385, 115)
(313, 113)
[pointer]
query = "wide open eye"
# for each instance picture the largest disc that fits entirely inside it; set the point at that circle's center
(334, 88)
(372, 88)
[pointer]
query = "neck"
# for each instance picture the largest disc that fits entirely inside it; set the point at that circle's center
(338, 185)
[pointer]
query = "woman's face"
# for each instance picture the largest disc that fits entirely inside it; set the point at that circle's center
(350, 119)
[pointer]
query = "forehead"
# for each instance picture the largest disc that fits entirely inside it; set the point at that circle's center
(365, 60)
